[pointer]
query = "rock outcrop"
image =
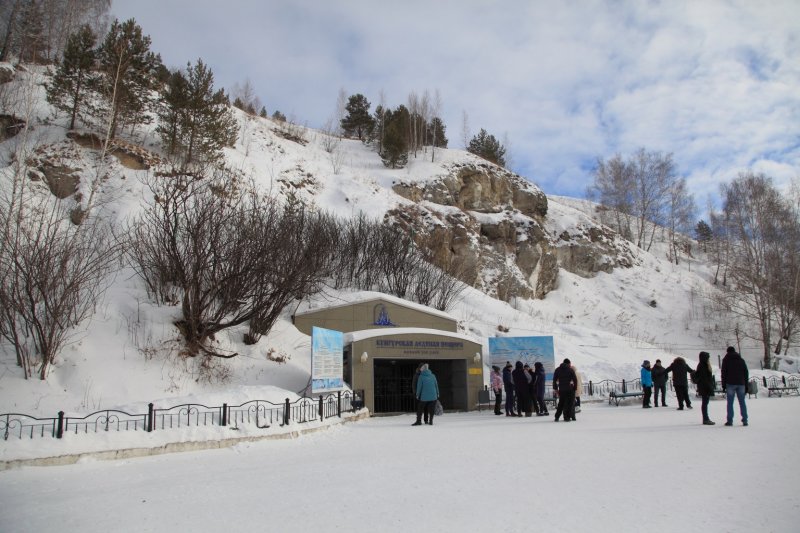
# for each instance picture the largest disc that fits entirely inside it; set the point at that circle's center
(487, 226)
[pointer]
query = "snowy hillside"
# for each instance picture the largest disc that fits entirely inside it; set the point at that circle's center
(128, 354)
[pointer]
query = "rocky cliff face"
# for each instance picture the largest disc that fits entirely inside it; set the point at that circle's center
(488, 226)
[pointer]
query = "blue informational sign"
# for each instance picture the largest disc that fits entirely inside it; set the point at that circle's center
(529, 350)
(327, 360)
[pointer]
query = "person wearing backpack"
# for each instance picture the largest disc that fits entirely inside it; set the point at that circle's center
(705, 385)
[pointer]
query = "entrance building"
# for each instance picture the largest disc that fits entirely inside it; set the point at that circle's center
(386, 338)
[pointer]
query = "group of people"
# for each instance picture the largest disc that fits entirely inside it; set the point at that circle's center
(524, 389)
(735, 377)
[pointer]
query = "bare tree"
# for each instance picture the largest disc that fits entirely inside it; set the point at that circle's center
(680, 212)
(466, 135)
(612, 188)
(232, 256)
(757, 213)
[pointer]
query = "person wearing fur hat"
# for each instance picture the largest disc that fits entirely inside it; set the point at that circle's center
(680, 380)
(705, 385)
(734, 381)
(647, 383)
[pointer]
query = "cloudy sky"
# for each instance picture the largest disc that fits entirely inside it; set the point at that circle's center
(716, 83)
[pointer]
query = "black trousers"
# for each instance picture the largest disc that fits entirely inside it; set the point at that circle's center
(421, 409)
(498, 400)
(663, 390)
(646, 398)
(566, 405)
(682, 392)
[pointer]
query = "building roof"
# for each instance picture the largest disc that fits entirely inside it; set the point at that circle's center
(356, 336)
(363, 297)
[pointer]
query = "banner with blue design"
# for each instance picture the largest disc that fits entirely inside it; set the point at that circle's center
(529, 350)
(327, 360)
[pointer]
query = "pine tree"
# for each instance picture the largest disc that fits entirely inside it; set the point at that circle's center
(263, 112)
(358, 120)
(436, 133)
(278, 116)
(704, 234)
(127, 68)
(195, 121)
(395, 143)
(487, 147)
(68, 89)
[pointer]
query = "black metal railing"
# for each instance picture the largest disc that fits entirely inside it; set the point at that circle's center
(606, 386)
(261, 413)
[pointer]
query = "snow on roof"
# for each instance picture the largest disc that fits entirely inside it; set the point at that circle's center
(362, 297)
(356, 336)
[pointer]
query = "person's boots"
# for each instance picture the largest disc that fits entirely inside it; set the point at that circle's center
(417, 423)
(708, 423)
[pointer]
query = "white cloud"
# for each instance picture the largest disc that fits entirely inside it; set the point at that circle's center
(714, 82)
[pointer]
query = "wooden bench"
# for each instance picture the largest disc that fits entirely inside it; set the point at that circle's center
(616, 397)
(780, 391)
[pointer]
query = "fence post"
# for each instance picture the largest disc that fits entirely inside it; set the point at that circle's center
(591, 389)
(224, 414)
(60, 428)
(320, 409)
(286, 412)
(624, 387)
(151, 414)
(339, 404)
(784, 380)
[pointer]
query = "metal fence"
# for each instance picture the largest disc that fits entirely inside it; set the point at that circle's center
(606, 386)
(261, 413)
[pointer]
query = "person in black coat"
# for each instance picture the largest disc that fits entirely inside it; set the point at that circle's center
(659, 374)
(680, 380)
(538, 388)
(734, 380)
(565, 382)
(521, 389)
(705, 385)
(508, 385)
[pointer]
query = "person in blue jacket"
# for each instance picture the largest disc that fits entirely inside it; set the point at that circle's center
(647, 384)
(427, 393)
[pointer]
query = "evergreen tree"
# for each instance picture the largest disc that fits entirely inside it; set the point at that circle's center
(127, 68)
(436, 133)
(195, 120)
(174, 100)
(486, 146)
(358, 121)
(263, 112)
(395, 142)
(280, 117)
(68, 90)
(704, 234)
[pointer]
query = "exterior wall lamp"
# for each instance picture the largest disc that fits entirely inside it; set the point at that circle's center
(364, 357)
(477, 358)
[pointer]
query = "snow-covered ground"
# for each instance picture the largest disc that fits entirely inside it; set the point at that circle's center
(128, 354)
(616, 469)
